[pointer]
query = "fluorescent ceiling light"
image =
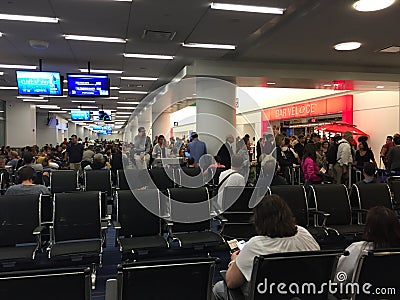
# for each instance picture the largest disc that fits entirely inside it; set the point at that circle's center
(27, 67)
(148, 56)
(32, 100)
(8, 88)
(380, 86)
(271, 83)
(327, 85)
(27, 97)
(58, 111)
(93, 38)
(372, 5)
(86, 107)
(128, 103)
(85, 101)
(114, 88)
(139, 78)
(123, 0)
(101, 71)
(249, 8)
(125, 107)
(123, 113)
(348, 46)
(133, 92)
(1, 34)
(1, 73)
(209, 46)
(49, 106)
(63, 96)
(28, 18)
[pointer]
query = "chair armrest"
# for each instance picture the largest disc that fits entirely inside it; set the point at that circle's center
(235, 294)
(116, 224)
(321, 213)
(358, 210)
(38, 230)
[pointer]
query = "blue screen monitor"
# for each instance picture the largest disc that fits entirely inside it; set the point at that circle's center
(80, 115)
(88, 85)
(39, 83)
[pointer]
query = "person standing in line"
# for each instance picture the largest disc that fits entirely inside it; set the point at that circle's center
(196, 148)
(393, 159)
(344, 157)
(74, 153)
(386, 149)
(142, 149)
(225, 152)
(299, 147)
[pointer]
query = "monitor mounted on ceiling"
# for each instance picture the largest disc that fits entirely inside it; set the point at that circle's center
(88, 85)
(39, 83)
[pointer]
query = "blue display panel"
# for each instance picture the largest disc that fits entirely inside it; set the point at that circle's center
(39, 83)
(80, 115)
(88, 85)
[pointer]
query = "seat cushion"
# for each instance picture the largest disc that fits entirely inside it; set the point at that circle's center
(146, 242)
(70, 248)
(15, 253)
(349, 229)
(199, 239)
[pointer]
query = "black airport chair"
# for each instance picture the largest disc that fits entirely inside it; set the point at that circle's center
(20, 230)
(162, 178)
(138, 230)
(63, 181)
(100, 180)
(46, 284)
(137, 179)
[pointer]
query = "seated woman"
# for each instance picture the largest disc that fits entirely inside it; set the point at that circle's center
(309, 165)
(99, 163)
(277, 232)
(382, 230)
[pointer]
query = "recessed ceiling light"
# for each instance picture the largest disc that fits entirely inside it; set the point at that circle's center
(139, 78)
(271, 83)
(248, 8)
(348, 46)
(84, 101)
(372, 5)
(125, 107)
(28, 18)
(209, 46)
(94, 38)
(133, 92)
(101, 71)
(148, 56)
(33, 100)
(391, 49)
(128, 103)
(27, 67)
(380, 86)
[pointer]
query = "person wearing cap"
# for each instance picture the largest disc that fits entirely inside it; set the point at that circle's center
(74, 153)
(142, 148)
(99, 163)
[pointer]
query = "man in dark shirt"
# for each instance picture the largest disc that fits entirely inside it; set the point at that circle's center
(394, 155)
(225, 152)
(74, 153)
(299, 147)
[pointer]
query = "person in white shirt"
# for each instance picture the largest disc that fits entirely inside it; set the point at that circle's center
(344, 158)
(230, 177)
(277, 232)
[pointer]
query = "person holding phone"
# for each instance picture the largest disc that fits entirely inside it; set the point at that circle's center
(277, 232)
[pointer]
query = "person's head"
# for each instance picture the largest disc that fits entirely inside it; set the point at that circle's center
(74, 139)
(369, 170)
(362, 138)
(2, 162)
(141, 131)
(310, 150)
(195, 136)
(14, 155)
(160, 139)
(318, 146)
(45, 162)
(382, 228)
(314, 137)
(236, 162)
(65, 140)
(287, 141)
(98, 158)
(389, 139)
(396, 140)
(26, 174)
(230, 139)
(217, 159)
(325, 145)
(301, 138)
(273, 218)
(28, 158)
(348, 136)
(190, 161)
(363, 146)
(280, 140)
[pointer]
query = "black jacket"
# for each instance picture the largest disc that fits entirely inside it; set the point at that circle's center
(225, 153)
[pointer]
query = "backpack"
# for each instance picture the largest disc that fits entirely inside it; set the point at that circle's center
(331, 154)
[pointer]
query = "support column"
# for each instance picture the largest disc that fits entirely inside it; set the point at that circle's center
(71, 128)
(145, 119)
(80, 132)
(215, 112)
(20, 124)
(162, 125)
(46, 132)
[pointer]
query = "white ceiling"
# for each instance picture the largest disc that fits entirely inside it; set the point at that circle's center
(304, 35)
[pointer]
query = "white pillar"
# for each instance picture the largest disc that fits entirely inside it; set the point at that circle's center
(46, 133)
(145, 119)
(71, 128)
(216, 114)
(162, 125)
(80, 132)
(20, 124)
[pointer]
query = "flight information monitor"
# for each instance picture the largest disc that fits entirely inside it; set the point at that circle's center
(88, 85)
(39, 83)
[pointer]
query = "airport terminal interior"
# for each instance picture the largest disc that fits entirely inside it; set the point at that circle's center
(239, 149)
